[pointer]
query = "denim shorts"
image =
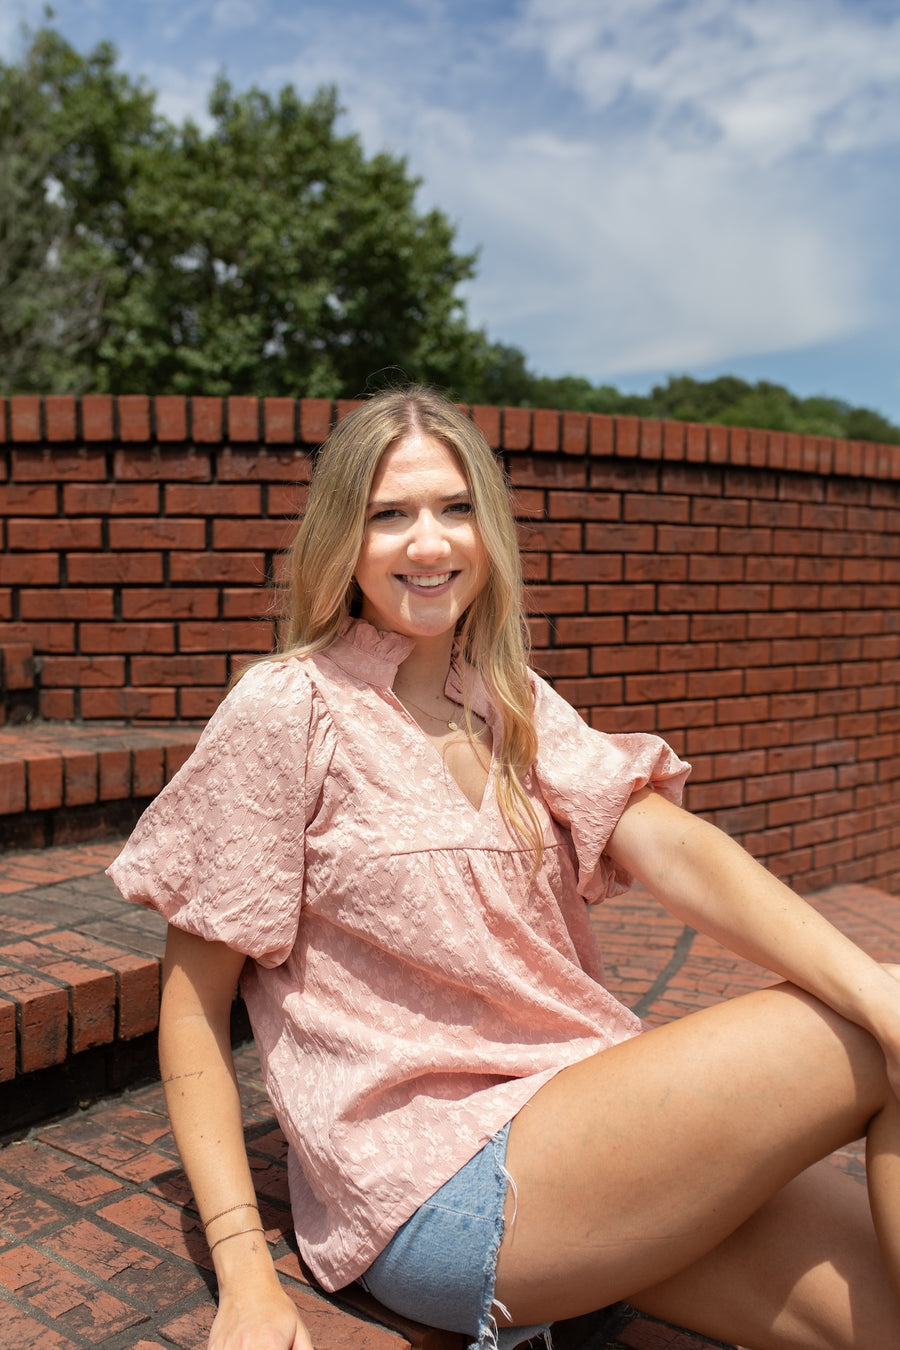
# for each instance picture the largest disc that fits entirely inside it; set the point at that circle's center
(439, 1268)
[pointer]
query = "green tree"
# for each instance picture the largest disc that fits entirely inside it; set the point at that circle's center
(267, 256)
(51, 282)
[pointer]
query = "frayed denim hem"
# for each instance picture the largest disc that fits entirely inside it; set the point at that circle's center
(439, 1268)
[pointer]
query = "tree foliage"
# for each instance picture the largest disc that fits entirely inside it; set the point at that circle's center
(265, 254)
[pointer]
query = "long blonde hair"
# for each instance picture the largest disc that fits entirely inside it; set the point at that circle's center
(492, 632)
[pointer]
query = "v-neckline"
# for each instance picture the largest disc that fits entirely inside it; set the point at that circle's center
(423, 737)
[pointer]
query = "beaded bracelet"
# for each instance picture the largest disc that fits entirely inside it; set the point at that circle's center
(228, 1236)
(248, 1204)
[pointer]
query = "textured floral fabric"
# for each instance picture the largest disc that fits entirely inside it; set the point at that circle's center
(411, 986)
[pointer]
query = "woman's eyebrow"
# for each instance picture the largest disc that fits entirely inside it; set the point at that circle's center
(382, 502)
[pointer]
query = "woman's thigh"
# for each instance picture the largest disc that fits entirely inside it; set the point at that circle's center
(802, 1273)
(633, 1165)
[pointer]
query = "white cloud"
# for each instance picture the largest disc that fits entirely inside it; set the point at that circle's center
(767, 78)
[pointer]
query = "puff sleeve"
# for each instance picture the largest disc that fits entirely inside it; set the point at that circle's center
(220, 851)
(587, 777)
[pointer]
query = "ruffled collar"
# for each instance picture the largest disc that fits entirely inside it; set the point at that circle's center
(368, 653)
(374, 656)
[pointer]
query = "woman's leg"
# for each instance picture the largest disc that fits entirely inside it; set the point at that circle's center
(665, 1165)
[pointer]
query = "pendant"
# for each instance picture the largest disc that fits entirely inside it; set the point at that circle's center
(453, 726)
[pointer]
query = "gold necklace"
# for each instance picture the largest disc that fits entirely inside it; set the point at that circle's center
(435, 717)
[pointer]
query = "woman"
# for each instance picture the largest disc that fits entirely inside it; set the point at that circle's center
(399, 825)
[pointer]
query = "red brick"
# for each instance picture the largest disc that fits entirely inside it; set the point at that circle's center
(517, 429)
(315, 420)
(591, 691)
(59, 411)
(567, 661)
(134, 417)
(154, 533)
(182, 465)
(63, 603)
(44, 775)
(580, 506)
(619, 537)
(237, 535)
(97, 417)
(148, 770)
(286, 499)
(163, 670)
(218, 567)
(25, 417)
(25, 499)
(29, 569)
(589, 628)
(586, 567)
(17, 664)
(43, 1016)
(12, 786)
(546, 471)
(602, 432)
(76, 1304)
(620, 660)
(650, 438)
(122, 638)
(264, 464)
(244, 604)
(199, 703)
(123, 568)
(66, 671)
(545, 430)
(574, 433)
(58, 465)
(169, 603)
(627, 436)
(207, 424)
(243, 418)
(153, 704)
(114, 774)
(278, 421)
(56, 705)
(35, 536)
(170, 411)
(7, 1040)
(225, 637)
(563, 599)
(85, 499)
(696, 445)
(673, 440)
(686, 538)
(219, 499)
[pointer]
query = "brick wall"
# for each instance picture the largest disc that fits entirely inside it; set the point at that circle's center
(736, 591)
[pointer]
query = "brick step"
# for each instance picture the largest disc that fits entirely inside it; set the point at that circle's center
(18, 688)
(61, 782)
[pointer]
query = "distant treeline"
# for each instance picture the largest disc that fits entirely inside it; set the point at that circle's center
(726, 399)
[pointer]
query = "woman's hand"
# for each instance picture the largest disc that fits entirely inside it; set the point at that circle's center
(250, 1321)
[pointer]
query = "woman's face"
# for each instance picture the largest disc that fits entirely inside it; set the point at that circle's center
(422, 561)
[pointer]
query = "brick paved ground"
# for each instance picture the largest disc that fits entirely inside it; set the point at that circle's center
(99, 1243)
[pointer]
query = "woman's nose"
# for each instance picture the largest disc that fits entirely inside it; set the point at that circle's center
(428, 540)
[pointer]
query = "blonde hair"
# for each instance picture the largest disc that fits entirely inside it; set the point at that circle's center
(492, 632)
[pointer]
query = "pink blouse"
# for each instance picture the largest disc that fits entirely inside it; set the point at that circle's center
(411, 986)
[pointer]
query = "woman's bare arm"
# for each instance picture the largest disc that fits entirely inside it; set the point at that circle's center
(199, 981)
(707, 880)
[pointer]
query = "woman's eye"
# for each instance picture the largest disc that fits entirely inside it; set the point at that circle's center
(460, 508)
(386, 513)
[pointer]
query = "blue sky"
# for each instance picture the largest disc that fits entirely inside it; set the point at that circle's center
(655, 186)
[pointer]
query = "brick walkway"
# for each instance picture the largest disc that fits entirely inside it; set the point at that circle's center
(99, 1243)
